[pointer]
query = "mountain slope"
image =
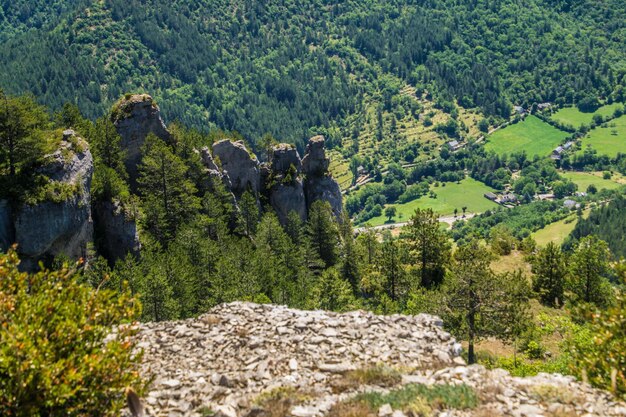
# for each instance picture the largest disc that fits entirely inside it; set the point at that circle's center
(286, 68)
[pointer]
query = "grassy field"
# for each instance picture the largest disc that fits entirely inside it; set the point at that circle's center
(531, 135)
(608, 140)
(468, 193)
(557, 232)
(511, 263)
(585, 179)
(574, 117)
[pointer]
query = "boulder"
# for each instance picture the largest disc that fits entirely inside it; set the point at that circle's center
(134, 118)
(116, 230)
(315, 161)
(241, 166)
(62, 225)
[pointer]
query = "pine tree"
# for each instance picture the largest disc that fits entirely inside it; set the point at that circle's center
(21, 142)
(429, 247)
(473, 296)
(333, 293)
(249, 214)
(550, 274)
(110, 178)
(323, 233)
(588, 272)
(350, 266)
(516, 317)
(168, 196)
(392, 269)
(272, 251)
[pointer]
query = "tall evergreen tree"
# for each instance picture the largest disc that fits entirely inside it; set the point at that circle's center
(473, 296)
(21, 139)
(168, 196)
(249, 214)
(550, 275)
(323, 233)
(589, 270)
(429, 247)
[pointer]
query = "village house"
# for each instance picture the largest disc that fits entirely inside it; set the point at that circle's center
(454, 145)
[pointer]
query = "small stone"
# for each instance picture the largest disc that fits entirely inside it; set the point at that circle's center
(385, 410)
(293, 364)
(171, 383)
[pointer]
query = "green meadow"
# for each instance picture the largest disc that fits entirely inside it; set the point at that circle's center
(468, 193)
(574, 117)
(585, 179)
(532, 135)
(609, 140)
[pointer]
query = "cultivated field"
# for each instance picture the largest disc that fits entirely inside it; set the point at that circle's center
(468, 193)
(609, 140)
(574, 117)
(531, 135)
(340, 169)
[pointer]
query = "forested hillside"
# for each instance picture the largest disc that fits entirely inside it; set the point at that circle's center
(296, 68)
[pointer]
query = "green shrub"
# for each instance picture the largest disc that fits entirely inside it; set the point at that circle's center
(440, 396)
(59, 354)
(599, 357)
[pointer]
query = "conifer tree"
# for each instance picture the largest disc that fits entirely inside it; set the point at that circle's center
(550, 274)
(429, 247)
(168, 196)
(21, 143)
(323, 233)
(588, 272)
(473, 296)
(249, 214)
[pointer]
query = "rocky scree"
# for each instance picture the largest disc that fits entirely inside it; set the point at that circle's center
(223, 362)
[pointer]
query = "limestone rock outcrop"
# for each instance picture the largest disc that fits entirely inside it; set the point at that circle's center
(116, 230)
(135, 117)
(286, 188)
(283, 157)
(227, 359)
(59, 224)
(241, 166)
(315, 161)
(319, 184)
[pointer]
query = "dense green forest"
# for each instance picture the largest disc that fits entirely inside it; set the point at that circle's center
(608, 223)
(286, 68)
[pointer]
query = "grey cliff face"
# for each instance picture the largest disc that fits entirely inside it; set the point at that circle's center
(319, 185)
(117, 230)
(286, 193)
(288, 197)
(51, 228)
(134, 119)
(241, 166)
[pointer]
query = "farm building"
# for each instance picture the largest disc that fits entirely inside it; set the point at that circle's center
(491, 196)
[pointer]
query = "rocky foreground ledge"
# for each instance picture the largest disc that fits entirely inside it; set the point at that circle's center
(224, 362)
